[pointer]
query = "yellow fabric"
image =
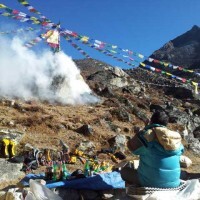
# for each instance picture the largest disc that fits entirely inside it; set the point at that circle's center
(166, 64)
(170, 140)
(13, 144)
(2, 6)
(5, 144)
(142, 64)
(168, 74)
(6, 14)
(85, 39)
(36, 22)
(73, 160)
(34, 18)
(48, 155)
(24, 3)
(195, 87)
(54, 38)
(6, 141)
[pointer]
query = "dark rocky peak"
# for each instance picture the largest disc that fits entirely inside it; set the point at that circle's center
(184, 50)
(191, 36)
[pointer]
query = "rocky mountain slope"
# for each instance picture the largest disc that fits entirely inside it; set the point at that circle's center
(182, 51)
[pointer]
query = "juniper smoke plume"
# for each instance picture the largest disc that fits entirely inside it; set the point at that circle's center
(29, 75)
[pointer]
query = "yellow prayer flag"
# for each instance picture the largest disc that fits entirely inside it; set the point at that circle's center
(195, 87)
(33, 18)
(166, 64)
(142, 64)
(85, 39)
(6, 14)
(24, 2)
(194, 83)
(191, 71)
(2, 6)
(168, 74)
(36, 22)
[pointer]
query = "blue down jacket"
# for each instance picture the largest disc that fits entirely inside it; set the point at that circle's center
(158, 167)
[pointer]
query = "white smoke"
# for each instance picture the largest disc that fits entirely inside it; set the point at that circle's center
(30, 75)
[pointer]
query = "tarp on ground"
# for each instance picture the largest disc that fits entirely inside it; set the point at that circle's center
(102, 181)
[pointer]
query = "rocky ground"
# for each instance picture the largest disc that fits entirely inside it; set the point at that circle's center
(124, 104)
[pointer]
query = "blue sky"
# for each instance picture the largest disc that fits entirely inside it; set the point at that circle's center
(139, 25)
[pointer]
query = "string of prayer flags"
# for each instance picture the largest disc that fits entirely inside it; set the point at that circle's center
(34, 41)
(105, 52)
(96, 44)
(33, 10)
(172, 76)
(77, 48)
(18, 30)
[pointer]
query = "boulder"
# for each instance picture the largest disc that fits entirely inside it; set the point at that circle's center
(121, 114)
(85, 130)
(119, 82)
(10, 171)
(197, 133)
(179, 92)
(177, 116)
(193, 144)
(106, 92)
(154, 107)
(86, 146)
(133, 89)
(119, 72)
(118, 142)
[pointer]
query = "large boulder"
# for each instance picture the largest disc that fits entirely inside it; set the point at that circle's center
(119, 82)
(179, 92)
(177, 116)
(10, 172)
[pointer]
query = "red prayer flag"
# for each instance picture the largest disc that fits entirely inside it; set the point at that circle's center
(158, 70)
(156, 61)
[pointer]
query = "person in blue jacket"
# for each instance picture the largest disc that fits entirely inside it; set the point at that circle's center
(159, 149)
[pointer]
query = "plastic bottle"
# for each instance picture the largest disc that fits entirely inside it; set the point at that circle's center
(87, 168)
(65, 172)
(55, 167)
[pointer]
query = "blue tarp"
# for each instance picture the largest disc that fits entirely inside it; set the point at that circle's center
(103, 181)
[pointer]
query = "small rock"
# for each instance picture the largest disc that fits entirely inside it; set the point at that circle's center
(185, 161)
